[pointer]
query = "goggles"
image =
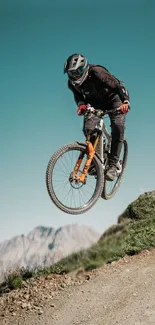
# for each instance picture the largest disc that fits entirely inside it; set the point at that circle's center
(76, 73)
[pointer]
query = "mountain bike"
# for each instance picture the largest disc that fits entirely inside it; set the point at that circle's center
(79, 168)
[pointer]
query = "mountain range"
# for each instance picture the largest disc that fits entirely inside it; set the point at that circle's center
(44, 246)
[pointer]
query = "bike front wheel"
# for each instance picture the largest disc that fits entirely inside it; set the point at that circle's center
(70, 196)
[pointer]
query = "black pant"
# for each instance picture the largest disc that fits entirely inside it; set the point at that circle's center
(118, 127)
(117, 119)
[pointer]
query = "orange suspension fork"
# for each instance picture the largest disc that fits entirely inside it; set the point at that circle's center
(90, 154)
(78, 164)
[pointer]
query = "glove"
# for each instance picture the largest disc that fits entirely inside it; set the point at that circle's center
(124, 107)
(81, 109)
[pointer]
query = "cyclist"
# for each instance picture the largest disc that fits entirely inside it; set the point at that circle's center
(94, 85)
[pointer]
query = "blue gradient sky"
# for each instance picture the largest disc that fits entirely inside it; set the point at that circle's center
(38, 114)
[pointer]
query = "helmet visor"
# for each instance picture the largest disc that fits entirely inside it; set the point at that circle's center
(76, 73)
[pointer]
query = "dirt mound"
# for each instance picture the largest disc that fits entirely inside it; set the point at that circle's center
(121, 293)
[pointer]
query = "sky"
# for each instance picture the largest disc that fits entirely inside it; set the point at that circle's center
(38, 112)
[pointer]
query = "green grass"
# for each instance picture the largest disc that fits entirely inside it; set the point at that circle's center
(135, 231)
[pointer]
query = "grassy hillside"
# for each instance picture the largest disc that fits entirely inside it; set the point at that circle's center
(134, 231)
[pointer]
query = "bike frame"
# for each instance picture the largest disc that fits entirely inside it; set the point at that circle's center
(102, 133)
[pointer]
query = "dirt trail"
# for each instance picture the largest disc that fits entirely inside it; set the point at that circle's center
(121, 293)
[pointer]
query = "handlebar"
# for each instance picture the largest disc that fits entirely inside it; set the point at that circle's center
(110, 111)
(99, 112)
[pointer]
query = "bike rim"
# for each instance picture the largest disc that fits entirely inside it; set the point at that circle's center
(72, 195)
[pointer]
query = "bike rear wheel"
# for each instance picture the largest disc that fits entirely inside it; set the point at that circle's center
(110, 187)
(61, 190)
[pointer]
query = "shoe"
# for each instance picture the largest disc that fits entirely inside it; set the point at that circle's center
(111, 173)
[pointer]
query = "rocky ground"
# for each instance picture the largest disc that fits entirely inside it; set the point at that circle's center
(121, 293)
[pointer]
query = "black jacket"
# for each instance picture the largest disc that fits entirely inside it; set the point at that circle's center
(100, 89)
